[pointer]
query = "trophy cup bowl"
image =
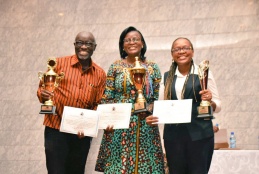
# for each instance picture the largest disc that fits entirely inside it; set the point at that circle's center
(138, 76)
(205, 109)
(50, 80)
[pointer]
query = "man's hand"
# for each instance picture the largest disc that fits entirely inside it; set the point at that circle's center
(46, 95)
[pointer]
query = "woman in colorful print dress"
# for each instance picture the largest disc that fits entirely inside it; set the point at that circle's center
(137, 149)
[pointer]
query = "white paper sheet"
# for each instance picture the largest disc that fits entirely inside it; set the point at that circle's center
(116, 114)
(173, 111)
(77, 119)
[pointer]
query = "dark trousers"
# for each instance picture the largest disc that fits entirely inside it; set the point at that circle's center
(185, 156)
(65, 153)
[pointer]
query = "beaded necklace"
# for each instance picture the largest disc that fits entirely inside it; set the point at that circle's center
(185, 83)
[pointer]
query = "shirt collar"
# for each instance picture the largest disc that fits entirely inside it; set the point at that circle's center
(177, 72)
(75, 62)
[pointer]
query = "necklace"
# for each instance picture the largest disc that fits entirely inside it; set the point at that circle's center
(128, 62)
(184, 86)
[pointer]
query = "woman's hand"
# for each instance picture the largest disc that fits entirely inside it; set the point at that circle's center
(206, 95)
(152, 120)
(80, 134)
(109, 129)
(215, 129)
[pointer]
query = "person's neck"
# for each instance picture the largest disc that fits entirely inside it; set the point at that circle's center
(132, 59)
(184, 69)
(85, 63)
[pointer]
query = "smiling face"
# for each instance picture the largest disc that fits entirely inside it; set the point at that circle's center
(84, 45)
(132, 44)
(182, 52)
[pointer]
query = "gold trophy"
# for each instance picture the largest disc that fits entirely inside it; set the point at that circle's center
(138, 77)
(50, 80)
(205, 109)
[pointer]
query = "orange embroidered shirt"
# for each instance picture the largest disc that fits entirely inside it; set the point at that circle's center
(81, 89)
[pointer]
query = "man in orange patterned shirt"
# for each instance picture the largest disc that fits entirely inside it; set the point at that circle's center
(82, 87)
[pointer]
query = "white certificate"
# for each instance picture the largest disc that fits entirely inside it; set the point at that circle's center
(173, 111)
(116, 114)
(77, 119)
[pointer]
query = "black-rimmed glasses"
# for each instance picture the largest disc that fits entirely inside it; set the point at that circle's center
(86, 43)
(134, 40)
(177, 50)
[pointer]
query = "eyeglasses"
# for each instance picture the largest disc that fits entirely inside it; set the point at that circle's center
(134, 40)
(86, 43)
(177, 50)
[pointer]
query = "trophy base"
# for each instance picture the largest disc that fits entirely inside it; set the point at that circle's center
(205, 112)
(47, 109)
(142, 107)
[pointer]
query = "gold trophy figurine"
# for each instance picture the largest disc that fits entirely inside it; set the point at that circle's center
(205, 109)
(138, 76)
(50, 80)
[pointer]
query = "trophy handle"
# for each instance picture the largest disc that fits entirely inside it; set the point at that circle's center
(40, 75)
(145, 78)
(128, 73)
(59, 78)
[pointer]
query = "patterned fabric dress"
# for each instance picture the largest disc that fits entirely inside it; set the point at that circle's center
(119, 149)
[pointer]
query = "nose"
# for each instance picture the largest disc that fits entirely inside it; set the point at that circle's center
(84, 46)
(131, 41)
(181, 50)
